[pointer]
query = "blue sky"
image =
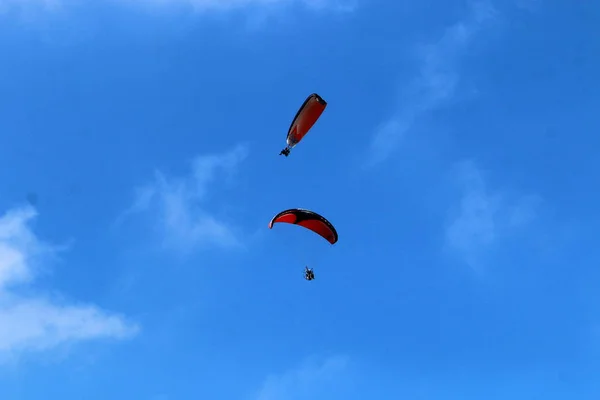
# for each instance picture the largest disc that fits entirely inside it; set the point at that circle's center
(139, 168)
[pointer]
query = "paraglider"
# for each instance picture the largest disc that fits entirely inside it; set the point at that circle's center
(305, 118)
(309, 220)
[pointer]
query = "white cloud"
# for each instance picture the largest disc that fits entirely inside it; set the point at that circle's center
(212, 4)
(227, 5)
(196, 5)
(312, 380)
(34, 322)
(485, 218)
(177, 204)
(437, 80)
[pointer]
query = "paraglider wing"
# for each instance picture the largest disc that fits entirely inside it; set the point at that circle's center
(309, 220)
(305, 118)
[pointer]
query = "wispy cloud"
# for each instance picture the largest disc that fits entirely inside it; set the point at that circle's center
(195, 5)
(207, 5)
(436, 83)
(529, 5)
(31, 321)
(485, 217)
(47, 4)
(177, 205)
(312, 380)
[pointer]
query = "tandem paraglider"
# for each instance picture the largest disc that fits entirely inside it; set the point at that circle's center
(309, 220)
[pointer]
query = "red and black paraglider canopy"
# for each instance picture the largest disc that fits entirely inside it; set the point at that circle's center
(305, 118)
(309, 220)
(307, 115)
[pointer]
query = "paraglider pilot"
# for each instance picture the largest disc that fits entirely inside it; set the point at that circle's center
(309, 275)
(291, 142)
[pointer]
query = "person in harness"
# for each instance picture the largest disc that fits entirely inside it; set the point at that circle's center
(309, 275)
(291, 142)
